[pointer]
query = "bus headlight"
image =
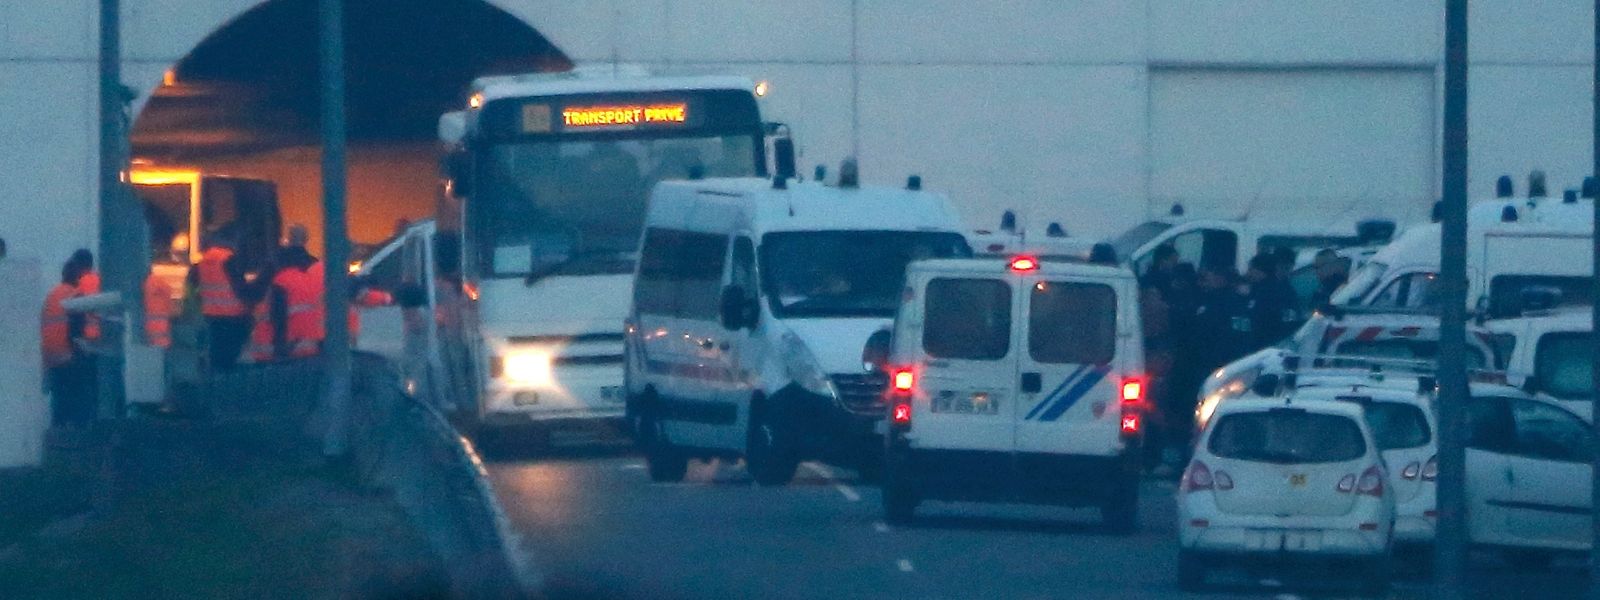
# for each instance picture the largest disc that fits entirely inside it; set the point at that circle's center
(528, 367)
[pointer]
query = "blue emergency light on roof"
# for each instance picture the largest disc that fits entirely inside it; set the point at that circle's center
(1536, 188)
(1176, 210)
(1055, 230)
(1590, 187)
(820, 173)
(1569, 197)
(1503, 188)
(1008, 221)
(914, 182)
(1508, 214)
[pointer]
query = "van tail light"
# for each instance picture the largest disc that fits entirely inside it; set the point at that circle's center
(1131, 424)
(1223, 480)
(1132, 391)
(1346, 484)
(1024, 263)
(902, 381)
(1197, 477)
(1371, 482)
(1430, 470)
(901, 413)
(1411, 471)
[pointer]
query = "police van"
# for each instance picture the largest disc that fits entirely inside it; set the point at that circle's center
(753, 304)
(1016, 380)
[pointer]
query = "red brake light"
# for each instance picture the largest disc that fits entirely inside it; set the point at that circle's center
(1371, 482)
(1430, 471)
(1132, 391)
(1130, 424)
(904, 380)
(1197, 477)
(1024, 263)
(902, 413)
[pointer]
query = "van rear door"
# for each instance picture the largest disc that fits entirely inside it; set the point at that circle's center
(967, 376)
(1069, 361)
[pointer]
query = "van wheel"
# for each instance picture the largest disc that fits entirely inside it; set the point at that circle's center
(768, 458)
(666, 463)
(1120, 512)
(1191, 572)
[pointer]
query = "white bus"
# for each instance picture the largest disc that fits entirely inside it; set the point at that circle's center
(546, 186)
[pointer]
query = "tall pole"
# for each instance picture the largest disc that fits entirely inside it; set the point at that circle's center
(336, 243)
(1594, 479)
(112, 234)
(1451, 543)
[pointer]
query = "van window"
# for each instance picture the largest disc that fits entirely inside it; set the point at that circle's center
(859, 273)
(967, 319)
(1287, 436)
(680, 273)
(1506, 291)
(1544, 431)
(1413, 290)
(1072, 323)
(1563, 363)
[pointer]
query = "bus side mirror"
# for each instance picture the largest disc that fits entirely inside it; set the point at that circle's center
(458, 171)
(783, 155)
(875, 356)
(738, 310)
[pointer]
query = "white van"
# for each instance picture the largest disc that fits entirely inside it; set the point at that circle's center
(1016, 381)
(1510, 245)
(1551, 356)
(753, 303)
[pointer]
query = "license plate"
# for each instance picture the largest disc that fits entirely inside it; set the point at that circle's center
(976, 403)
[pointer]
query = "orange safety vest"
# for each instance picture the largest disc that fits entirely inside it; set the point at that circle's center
(89, 285)
(55, 341)
(303, 290)
(158, 310)
(217, 298)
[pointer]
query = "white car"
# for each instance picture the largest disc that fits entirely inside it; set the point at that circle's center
(1529, 476)
(1278, 482)
(1399, 411)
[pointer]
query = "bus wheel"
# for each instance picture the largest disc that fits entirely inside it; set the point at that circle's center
(667, 464)
(769, 459)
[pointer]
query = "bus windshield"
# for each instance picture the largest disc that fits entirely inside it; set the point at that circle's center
(576, 207)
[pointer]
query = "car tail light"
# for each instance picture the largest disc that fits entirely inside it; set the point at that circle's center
(1411, 471)
(1371, 482)
(1024, 263)
(1347, 484)
(1430, 471)
(1197, 477)
(904, 381)
(901, 414)
(1223, 480)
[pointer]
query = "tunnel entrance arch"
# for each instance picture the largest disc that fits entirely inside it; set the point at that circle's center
(244, 101)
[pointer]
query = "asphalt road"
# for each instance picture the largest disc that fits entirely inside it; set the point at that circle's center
(597, 528)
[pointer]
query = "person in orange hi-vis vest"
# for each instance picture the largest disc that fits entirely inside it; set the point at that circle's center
(88, 285)
(69, 368)
(158, 311)
(220, 279)
(287, 322)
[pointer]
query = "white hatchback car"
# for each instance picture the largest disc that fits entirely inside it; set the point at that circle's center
(1277, 482)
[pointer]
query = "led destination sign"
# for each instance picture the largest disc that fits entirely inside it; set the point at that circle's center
(626, 115)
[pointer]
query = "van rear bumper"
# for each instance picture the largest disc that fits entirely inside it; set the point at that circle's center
(986, 476)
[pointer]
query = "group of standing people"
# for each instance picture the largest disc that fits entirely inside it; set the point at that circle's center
(1197, 320)
(66, 343)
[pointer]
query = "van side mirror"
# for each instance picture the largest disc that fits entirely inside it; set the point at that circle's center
(1265, 385)
(738, 310)
(875, 356)
(458, 170)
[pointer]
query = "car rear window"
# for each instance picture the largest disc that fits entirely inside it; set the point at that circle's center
(1287, 436)
(1397, 425)
(1563, 364)
(1072, 323)
(967, 319)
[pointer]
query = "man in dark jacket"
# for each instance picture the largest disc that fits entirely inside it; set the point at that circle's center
(1274, 308)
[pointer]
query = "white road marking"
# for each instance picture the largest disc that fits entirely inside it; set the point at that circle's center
(848, 492)
(881, 527)
(905, 566)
